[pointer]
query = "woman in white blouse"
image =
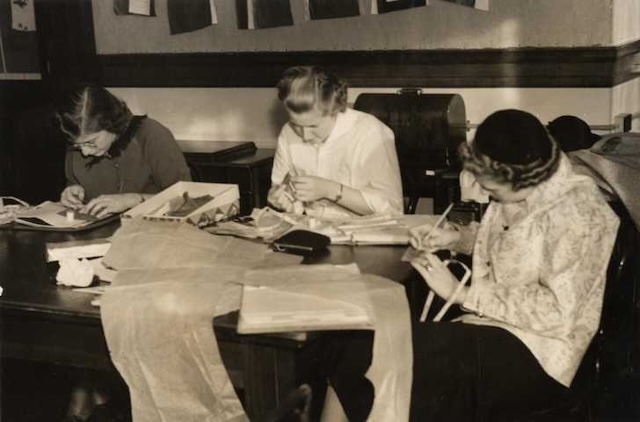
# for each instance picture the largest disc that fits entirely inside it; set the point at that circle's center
(540, 257)
(331, 161)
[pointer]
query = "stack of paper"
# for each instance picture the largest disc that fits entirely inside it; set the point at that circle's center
(77, 249)
(268, 310)
(380, 230)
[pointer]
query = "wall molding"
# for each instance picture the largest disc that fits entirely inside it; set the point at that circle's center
(515, 67)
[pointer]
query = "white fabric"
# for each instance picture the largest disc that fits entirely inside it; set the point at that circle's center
(359, 153)
(614, 163)
(392, 361)
(542, 277)
(173, 279)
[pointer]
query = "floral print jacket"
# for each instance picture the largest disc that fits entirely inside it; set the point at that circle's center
(541, 276)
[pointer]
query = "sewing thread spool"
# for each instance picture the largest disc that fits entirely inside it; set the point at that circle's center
(70, 216)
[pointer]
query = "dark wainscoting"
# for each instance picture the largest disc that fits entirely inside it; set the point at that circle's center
(518, 67)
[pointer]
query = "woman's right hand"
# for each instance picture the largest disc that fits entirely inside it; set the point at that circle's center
(429, 239)
(280, 197)
(72, 197)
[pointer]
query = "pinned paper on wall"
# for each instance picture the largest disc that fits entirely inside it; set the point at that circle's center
(330, 9)
(134, 7)
(260, 14)
(188, 16)
(386, 6)
(478, 4)
(23, 17)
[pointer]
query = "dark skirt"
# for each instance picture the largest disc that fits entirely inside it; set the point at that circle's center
(461, 372)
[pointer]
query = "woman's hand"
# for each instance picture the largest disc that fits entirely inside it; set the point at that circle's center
(281, 198)
(72, 197)
(312, 188)
(438, 277)
(111, 204)
(440, 238)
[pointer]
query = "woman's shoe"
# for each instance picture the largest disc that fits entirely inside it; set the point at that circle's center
(106, 413)
(73, 418)
(80, 405)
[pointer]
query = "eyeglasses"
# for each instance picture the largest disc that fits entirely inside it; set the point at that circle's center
(87, 144)
(93, 140)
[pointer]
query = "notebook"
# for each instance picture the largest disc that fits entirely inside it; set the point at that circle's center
(55, 216)
(268, 310)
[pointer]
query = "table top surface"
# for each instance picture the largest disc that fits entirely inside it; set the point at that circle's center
(29, 284)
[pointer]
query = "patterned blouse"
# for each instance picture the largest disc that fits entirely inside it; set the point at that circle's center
(539, 269)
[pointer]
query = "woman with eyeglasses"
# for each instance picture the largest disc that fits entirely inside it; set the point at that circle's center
(539, 263)
(115, 159)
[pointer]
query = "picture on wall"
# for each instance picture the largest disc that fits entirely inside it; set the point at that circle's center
(18, 40)
(478, 4)
(258, 14)
(187, 16)
(134, 7)
(331, 9)
(386, 6)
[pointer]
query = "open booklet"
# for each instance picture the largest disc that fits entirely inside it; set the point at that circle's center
(55, 216)
(269, 310)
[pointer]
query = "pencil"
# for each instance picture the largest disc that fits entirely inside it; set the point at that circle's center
(440, 221)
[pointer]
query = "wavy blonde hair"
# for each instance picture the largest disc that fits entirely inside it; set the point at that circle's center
(302, 88)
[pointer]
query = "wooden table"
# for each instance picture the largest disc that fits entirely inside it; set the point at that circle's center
(43, 322)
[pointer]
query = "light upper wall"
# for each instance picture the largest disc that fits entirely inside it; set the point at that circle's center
(441, 25)
(255, 114)
(626, 21)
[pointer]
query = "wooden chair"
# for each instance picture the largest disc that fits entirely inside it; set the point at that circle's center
(611, 363)
(428, 129)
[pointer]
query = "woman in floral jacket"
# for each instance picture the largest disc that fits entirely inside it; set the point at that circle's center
(540, 257)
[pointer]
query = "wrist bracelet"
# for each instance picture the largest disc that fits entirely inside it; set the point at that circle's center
(339, 196)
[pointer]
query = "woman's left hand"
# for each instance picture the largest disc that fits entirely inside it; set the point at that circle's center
(438, 277)
(110, 204)
(312, 188)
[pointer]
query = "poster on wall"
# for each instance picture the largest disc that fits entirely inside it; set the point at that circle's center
(134, 7)
(478, 4)
(22, 15)
(188, 16)
(18, 41)
(330, 9)
(259, 14)
(386, 6)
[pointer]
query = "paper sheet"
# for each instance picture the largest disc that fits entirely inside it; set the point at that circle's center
(157, 319)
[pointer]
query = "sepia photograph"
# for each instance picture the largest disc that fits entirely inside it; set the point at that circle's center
(319, 210)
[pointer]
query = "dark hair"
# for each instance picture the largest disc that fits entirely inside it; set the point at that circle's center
(302, 88)
(512, 146)
(92, 109)
(572, 133)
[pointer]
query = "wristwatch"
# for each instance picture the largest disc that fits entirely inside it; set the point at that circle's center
(339, 196)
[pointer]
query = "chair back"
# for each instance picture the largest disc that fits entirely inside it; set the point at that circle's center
(428, 129)
(612, 356)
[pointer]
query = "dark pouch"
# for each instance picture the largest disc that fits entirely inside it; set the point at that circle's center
(301, 242)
